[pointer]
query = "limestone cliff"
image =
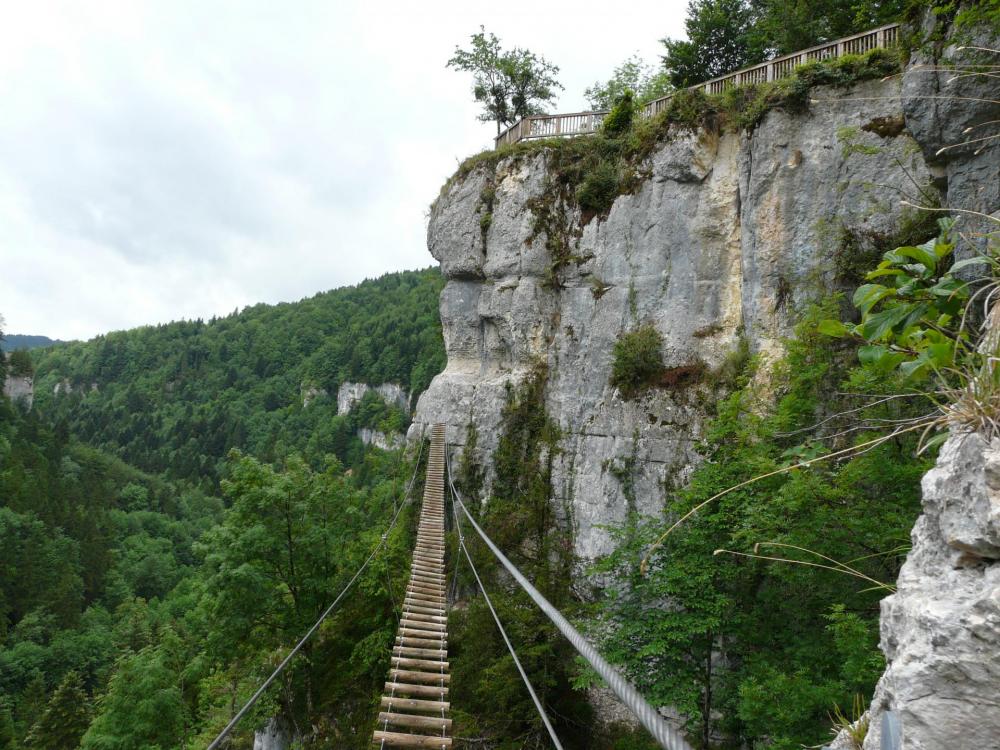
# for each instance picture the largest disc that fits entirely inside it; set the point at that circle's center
(726, 234)
(20, 389)
(720, 242)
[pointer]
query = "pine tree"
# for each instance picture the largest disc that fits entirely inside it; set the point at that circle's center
(65, 718)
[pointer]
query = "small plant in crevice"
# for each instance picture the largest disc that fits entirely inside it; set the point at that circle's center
(853, 726)
(486, 198)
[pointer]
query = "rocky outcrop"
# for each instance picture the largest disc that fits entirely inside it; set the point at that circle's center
(728, 233)
(274, 736)
(386, 441)
(941, 629)
(20, 389)
(310, 393)
(351, 393)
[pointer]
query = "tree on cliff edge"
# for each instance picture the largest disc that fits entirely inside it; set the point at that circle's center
(508, 83)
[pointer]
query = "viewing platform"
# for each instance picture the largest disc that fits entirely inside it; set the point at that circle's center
(584, 123)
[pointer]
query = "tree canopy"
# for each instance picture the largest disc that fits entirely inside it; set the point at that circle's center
(725, 35)
(508, 83)
(633, 75)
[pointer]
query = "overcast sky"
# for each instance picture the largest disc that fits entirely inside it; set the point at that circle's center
(183, 159)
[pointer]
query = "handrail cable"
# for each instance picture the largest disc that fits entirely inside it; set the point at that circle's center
(667, 736)
(298, 646)
(496, 618)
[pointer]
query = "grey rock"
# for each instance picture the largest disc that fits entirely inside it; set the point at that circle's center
(351, 393)
(941, 629)
(724, 239)
(944, 110)
(20, 390)
(385, 441)
(274, 736)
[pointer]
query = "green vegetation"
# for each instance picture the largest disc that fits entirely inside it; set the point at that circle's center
(508, 83)
(19, 364)
(174, 399)
(521, 516)
(751, 649)
(632, 75)
(638, 360)
(915, 324)
(725, 35)
(138, 606)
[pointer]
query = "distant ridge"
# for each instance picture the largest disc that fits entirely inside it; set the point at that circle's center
(14, 341)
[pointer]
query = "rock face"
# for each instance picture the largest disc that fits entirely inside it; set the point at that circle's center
(723, 239)
(273, 736)
(941, 629)
(20, 389)
(351, 393)
(386, 441)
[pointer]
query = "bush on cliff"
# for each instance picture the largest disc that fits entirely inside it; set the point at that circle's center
(638, 360)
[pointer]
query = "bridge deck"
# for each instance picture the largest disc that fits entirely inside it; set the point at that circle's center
(415, 703)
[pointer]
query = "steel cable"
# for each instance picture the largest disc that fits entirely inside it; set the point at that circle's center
(667, 736)
(496, 618)
(298, 646)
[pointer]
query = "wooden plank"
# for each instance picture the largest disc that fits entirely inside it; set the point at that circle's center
(424, 610)
(422, 663)
(428, 653)
(439, 627)
(424, 600)
(404, 688)
(414, 704)
(421, 617)
(433, 678)
(410, 720)
(407, 631)
(411, 642)
(396, 739)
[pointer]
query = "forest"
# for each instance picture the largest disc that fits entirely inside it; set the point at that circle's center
(172, 517)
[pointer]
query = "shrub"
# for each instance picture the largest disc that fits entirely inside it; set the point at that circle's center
(638, 361)
(599, 188)
(619, 119)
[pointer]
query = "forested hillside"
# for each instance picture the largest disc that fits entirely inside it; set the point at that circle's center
(139, 605)
(174, 399)
(16, 341)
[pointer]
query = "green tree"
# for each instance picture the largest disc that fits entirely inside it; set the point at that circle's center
(279, 544)
(3, 358)
(510, 84)
(632, 75)
(143, 708)
(8, 734)
(785, 26)
(20, 364)
(719, 40)
(65, 719)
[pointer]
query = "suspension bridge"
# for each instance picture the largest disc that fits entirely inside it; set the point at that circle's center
(414, 708)
(416, 694)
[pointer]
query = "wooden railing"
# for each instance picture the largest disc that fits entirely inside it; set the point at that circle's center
(551, 126)
(582, 123)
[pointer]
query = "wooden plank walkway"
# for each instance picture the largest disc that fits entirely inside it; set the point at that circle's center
(414, 707)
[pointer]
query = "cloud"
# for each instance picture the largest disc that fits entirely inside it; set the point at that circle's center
(181, 159)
